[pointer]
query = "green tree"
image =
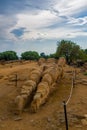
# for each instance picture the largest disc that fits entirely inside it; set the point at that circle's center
(30, 55)
(1, 56)
(8, 55)
(53, 55)
(85, 51)
(68, 49)
(82, 55)
(42, 55)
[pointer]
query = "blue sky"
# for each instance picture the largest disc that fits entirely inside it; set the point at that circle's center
(38, 25)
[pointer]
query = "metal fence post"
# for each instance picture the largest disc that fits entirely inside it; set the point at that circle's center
(65, 112)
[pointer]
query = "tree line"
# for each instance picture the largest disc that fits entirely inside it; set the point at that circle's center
(68, 49)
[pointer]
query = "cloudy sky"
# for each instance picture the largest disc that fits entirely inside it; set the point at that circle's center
(38, 24)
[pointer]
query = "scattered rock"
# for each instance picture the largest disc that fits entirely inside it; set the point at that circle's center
(60, 129)
(31, 121)
(1, 76)
(84, 122)
(61, 120)
(78, 126)
(17, 118)
(2, 125)
(79, 116)
(85, 115)
(48, 119)
(52, 126)
(9, 83)
(3, 118)
(74, 120)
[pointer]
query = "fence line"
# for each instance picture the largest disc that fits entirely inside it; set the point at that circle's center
(66, 103)
(72, 86)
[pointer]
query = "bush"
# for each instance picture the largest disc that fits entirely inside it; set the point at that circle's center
(85, 73)
(30, 55)
(8, 55)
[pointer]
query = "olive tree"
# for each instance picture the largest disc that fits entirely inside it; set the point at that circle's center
(68, 49)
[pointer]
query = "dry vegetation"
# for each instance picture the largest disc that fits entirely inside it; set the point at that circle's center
(41, 87)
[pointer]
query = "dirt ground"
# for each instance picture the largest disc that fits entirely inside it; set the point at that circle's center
(50, 116)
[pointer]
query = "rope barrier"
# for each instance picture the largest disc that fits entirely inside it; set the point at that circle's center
(66, 103)
(72, 86)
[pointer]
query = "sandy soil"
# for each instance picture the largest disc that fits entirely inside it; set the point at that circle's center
(50, 116)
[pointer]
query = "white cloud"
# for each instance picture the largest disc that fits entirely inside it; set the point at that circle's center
(35, 24)
(77, 21)
(68, 7)
(5, 24)
(38, 22)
